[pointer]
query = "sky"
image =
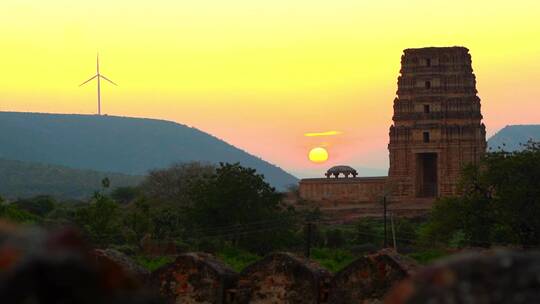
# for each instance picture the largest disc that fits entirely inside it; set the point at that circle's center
(261, 74)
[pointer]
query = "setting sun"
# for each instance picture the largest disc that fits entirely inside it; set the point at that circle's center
(318, 155)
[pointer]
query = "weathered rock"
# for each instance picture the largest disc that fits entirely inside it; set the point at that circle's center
(194, 278)
(41, 267)
(496, 277)
(369, 278)
(282, 278)
(110, 259)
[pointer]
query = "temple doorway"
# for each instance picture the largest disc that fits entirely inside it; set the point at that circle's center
(426, 175)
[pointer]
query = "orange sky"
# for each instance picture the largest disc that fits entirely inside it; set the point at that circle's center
(260, 74)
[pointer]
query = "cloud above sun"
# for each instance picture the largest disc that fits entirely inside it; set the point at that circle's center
(326, 133)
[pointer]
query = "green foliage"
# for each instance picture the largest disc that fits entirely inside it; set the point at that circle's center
(137, 221)
(428, 256)
(317, 236)
(105, 183)
(500, 203)
(26, 179)
(167, 222)
(406, 230)
(99, 220)
(39, 205)
(332, 259)
(247, 208)
(13, 213)
(237, 258)
(335, 238)
(369, 231)
(153, 263)
(172, 185)
(124, 195)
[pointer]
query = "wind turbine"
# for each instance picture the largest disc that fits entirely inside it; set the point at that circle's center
(98, 76)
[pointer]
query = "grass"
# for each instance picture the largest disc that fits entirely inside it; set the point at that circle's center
(153, 263)
(332, 259)
(427, 256)
(236, 258)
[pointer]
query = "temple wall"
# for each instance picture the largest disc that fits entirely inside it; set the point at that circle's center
(342, 190)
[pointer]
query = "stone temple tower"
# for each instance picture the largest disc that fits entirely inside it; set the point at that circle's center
(437, 125)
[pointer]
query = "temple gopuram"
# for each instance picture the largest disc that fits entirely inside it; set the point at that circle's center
(437, 129)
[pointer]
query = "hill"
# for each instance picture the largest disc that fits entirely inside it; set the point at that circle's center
(118, 144)
(24, 179)
(509, 138)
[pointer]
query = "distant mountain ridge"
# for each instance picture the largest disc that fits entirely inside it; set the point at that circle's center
(510, 137)
(119, 144)
(20, 179)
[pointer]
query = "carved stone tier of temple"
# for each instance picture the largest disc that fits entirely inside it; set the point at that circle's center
(437, 125)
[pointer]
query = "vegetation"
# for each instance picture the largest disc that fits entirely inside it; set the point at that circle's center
(27, 179)
(153, 263)
(232, 212)
(332, 259)
(500, 204)
(237, 258)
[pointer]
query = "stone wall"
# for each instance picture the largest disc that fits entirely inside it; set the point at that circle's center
(56, 267)
(283, 278)
(41, 267)
(194, 278)
(369, 278)
(489, 277)
(336, 191)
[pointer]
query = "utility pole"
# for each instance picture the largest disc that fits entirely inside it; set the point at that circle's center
(308, 240)
(385, 234)
(393, 230)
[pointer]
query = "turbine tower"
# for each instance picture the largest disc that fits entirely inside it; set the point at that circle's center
(98, 76)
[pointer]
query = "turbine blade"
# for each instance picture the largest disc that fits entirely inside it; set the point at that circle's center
(88, 80)
(107, 79)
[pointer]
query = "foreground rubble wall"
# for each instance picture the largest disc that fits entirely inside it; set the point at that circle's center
(489, 277)
(194, 278)
(368, 279)
(37, 266)
(282, 278)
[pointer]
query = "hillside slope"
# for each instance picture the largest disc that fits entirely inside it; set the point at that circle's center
(25, 179)
(118, 144)
(509, 137)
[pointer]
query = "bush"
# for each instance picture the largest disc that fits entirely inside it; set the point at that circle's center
(334, 238)
(369, 231)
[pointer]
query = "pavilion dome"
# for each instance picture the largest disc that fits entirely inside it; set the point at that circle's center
(337, 170)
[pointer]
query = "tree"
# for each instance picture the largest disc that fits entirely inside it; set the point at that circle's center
(500, 203)
(171, 185)
(99, 220)
(38, 205)
(239, 200)
(367, 232)
(138, 220)
(124, 195)
(12, 213)
(334, 238)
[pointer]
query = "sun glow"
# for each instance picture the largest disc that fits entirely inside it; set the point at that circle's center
(318, 155)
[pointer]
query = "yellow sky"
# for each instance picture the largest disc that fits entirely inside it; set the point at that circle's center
(261, 74)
